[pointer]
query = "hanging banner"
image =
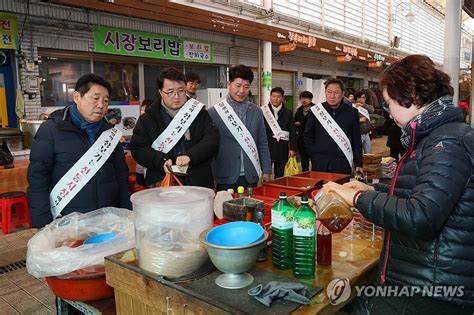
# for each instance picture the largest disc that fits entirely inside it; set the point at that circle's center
(142, 44)
(8, 31)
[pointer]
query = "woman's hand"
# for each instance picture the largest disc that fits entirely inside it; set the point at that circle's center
(358, 186)
(346, 193)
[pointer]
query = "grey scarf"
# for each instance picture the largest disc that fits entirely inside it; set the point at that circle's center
(433, 110)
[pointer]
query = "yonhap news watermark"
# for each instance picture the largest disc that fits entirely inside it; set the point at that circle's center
(339, 290)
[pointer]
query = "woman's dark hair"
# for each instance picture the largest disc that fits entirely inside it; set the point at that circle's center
(415, 80)
(84, 84)
(306, 94)
(240, 71)
(171, 74)
(277, 90)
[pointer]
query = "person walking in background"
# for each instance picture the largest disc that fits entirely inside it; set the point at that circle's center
(281, 132)
(428, 211)
(192, 83)
(364, 119)
(301, 118)
(332, 134)
(243, 154)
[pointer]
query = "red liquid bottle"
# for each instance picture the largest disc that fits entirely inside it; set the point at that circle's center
(323, 247)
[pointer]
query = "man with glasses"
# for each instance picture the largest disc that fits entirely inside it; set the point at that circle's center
(332, 134)
(192, 83)
(175, 131)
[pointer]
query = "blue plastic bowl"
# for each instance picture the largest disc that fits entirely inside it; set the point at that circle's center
(235, 234)
(99, 238)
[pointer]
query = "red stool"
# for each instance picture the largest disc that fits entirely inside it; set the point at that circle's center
(22, 212)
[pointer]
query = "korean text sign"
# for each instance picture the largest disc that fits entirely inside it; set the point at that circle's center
(142, 44)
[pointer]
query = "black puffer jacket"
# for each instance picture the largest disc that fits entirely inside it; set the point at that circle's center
(57, 147)
(429, 220)
(202, 148)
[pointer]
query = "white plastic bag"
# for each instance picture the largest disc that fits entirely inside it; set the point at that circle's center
(49, 252)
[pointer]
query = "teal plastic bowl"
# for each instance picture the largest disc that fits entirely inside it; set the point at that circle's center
(99, 238)
(235, 234)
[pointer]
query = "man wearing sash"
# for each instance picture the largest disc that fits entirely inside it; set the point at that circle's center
(58, 182)
(281, 132)
(192, 83)
(364, 119)
(332, 135)
(301, 119)
(243, 152)
(178, 131)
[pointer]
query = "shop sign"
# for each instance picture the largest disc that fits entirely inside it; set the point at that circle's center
(379, 57)
(350, 50)
(310, 41)
(8, 31)
(287, 47)
(151, 45)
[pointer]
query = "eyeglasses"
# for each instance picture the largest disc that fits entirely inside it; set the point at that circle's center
(172, 94)
(333, 92)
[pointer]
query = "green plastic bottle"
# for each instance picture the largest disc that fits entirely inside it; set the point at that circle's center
(282, 233)
(303, 241)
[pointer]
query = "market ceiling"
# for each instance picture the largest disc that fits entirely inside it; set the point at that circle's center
(183, 15)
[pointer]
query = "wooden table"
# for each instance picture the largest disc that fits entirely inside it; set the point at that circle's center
(14, 179)
(141, 292)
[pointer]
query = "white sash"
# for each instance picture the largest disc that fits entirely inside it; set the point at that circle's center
(333, 129)
(364, 112)
(274, 126)
(178, 126)
(83, 170)
(240, 132)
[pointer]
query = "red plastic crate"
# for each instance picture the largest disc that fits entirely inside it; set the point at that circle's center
(327, 177)
(273, 193)
(301, 184)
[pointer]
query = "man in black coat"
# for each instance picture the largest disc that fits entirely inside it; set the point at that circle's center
(326, 155)
(280, 149)
(61, 141)
(301, 117)
(195, 149)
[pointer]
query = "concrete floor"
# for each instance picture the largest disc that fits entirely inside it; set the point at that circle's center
(21, 293)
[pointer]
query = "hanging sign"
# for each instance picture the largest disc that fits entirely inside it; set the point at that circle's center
(310, 41)
(142, 44)
(287, 47)
(350, 50)
(8, 31)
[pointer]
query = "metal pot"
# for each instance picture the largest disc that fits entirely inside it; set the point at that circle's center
(13, 137)
(29, 129)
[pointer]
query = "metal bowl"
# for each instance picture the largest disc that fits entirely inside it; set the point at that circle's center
(234, 261)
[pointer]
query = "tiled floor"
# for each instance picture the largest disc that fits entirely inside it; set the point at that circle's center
(21, 293)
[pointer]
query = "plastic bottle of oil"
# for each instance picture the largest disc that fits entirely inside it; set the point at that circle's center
(282, 233)
(303, 241)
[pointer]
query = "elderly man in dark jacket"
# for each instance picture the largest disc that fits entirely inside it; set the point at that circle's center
(196, 149)
(62, 140)
(280, 149)
(326, 154)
